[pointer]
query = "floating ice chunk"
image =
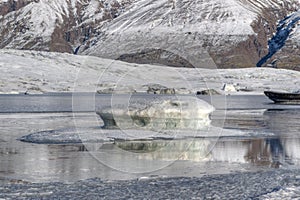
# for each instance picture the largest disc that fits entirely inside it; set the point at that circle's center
(180, 113)
(229, 88)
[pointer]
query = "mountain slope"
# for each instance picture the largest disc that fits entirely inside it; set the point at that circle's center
(53, 25)
(187, 28)
(200, 33)
(234, 33)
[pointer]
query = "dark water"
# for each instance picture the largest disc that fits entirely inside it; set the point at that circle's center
(57, 102)
(275, 141)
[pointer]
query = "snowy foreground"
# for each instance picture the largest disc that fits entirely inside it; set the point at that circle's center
(41, 72)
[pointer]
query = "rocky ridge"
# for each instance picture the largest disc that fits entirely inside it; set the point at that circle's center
(56, 25)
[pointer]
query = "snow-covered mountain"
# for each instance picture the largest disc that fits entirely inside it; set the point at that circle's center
(54, 25)
(232, 33)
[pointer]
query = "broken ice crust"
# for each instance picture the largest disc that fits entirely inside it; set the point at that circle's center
(184, 113)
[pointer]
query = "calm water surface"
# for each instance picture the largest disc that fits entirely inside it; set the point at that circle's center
(275, 141)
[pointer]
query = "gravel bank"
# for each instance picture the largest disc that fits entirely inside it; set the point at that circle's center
(275, 184)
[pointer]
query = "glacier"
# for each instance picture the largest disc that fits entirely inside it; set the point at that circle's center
(42, 72)
(284, 31)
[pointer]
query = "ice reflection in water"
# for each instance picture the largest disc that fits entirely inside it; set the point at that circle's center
(282, 148)
(195, 150)
(262, 152)
(198, 150)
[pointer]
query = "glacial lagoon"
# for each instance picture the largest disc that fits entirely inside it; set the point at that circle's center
(268, 138)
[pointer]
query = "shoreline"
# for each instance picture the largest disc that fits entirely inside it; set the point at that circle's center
(266, 184)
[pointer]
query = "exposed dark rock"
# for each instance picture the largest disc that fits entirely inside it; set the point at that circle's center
(159, 89)
(208, 92)
(156, 56)
(13, 5)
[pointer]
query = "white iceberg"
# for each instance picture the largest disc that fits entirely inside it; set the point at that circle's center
(160, 114)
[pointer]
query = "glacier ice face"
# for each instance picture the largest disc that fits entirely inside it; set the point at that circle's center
(181, 113)
(284, 30)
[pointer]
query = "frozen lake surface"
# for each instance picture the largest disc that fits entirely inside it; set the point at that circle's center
(271, 140)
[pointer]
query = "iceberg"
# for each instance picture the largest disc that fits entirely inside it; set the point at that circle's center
(188, 113)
